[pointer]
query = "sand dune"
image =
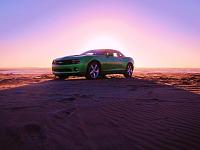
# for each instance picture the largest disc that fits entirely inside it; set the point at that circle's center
(150, 111)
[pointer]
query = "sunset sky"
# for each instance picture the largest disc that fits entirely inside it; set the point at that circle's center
(156, 33)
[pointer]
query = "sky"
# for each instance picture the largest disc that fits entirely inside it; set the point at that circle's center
(156, 33)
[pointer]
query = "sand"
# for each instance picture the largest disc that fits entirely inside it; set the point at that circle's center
(149, 111)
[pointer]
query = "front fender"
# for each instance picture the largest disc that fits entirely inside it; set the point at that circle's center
(85, 61)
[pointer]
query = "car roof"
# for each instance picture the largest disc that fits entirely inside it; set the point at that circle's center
(106, 50)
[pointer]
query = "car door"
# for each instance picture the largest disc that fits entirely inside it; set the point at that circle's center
(118, 61)
(110, 62)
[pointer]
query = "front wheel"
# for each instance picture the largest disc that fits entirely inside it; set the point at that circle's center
(61, 77)
(93, 70)
(129, 71)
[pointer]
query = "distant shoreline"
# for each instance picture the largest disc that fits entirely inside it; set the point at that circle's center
(137, 70)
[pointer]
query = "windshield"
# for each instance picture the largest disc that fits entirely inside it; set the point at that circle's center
(94, 52)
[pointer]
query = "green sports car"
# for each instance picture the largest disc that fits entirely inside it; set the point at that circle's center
(93, 64)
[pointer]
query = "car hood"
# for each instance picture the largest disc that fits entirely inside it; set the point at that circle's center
(71, 57)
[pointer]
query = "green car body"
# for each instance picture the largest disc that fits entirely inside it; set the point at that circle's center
(104, 61)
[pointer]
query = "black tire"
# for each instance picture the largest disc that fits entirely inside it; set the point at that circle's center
(103, 76)
(129, 71)
(62, 77)
(93, 70)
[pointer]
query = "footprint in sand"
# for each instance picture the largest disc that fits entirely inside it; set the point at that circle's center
(68, 107)
(32, 137)
(66, 99)
(64, 113)
(27, 137)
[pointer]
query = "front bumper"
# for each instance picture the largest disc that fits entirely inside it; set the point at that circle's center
(72, 69)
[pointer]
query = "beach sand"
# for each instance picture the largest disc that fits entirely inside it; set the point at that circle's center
(148, 111)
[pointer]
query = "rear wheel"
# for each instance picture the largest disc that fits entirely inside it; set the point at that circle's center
(93, 70)
(129, 71)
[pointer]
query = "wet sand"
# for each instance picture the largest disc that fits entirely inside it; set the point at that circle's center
(149, 111)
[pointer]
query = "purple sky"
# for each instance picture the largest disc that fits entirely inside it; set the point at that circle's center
(156, 33)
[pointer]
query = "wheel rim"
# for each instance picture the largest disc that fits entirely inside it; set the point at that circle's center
(129, 70)
(94, 71)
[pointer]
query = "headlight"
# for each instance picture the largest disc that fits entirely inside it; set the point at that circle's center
(75, 61)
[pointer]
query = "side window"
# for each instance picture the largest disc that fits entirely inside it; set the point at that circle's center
(109, 54)
(115, 54)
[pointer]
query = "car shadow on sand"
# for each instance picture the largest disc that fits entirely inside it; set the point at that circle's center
(113, 113)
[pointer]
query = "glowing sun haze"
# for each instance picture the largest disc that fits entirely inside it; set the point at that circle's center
(158, 33)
